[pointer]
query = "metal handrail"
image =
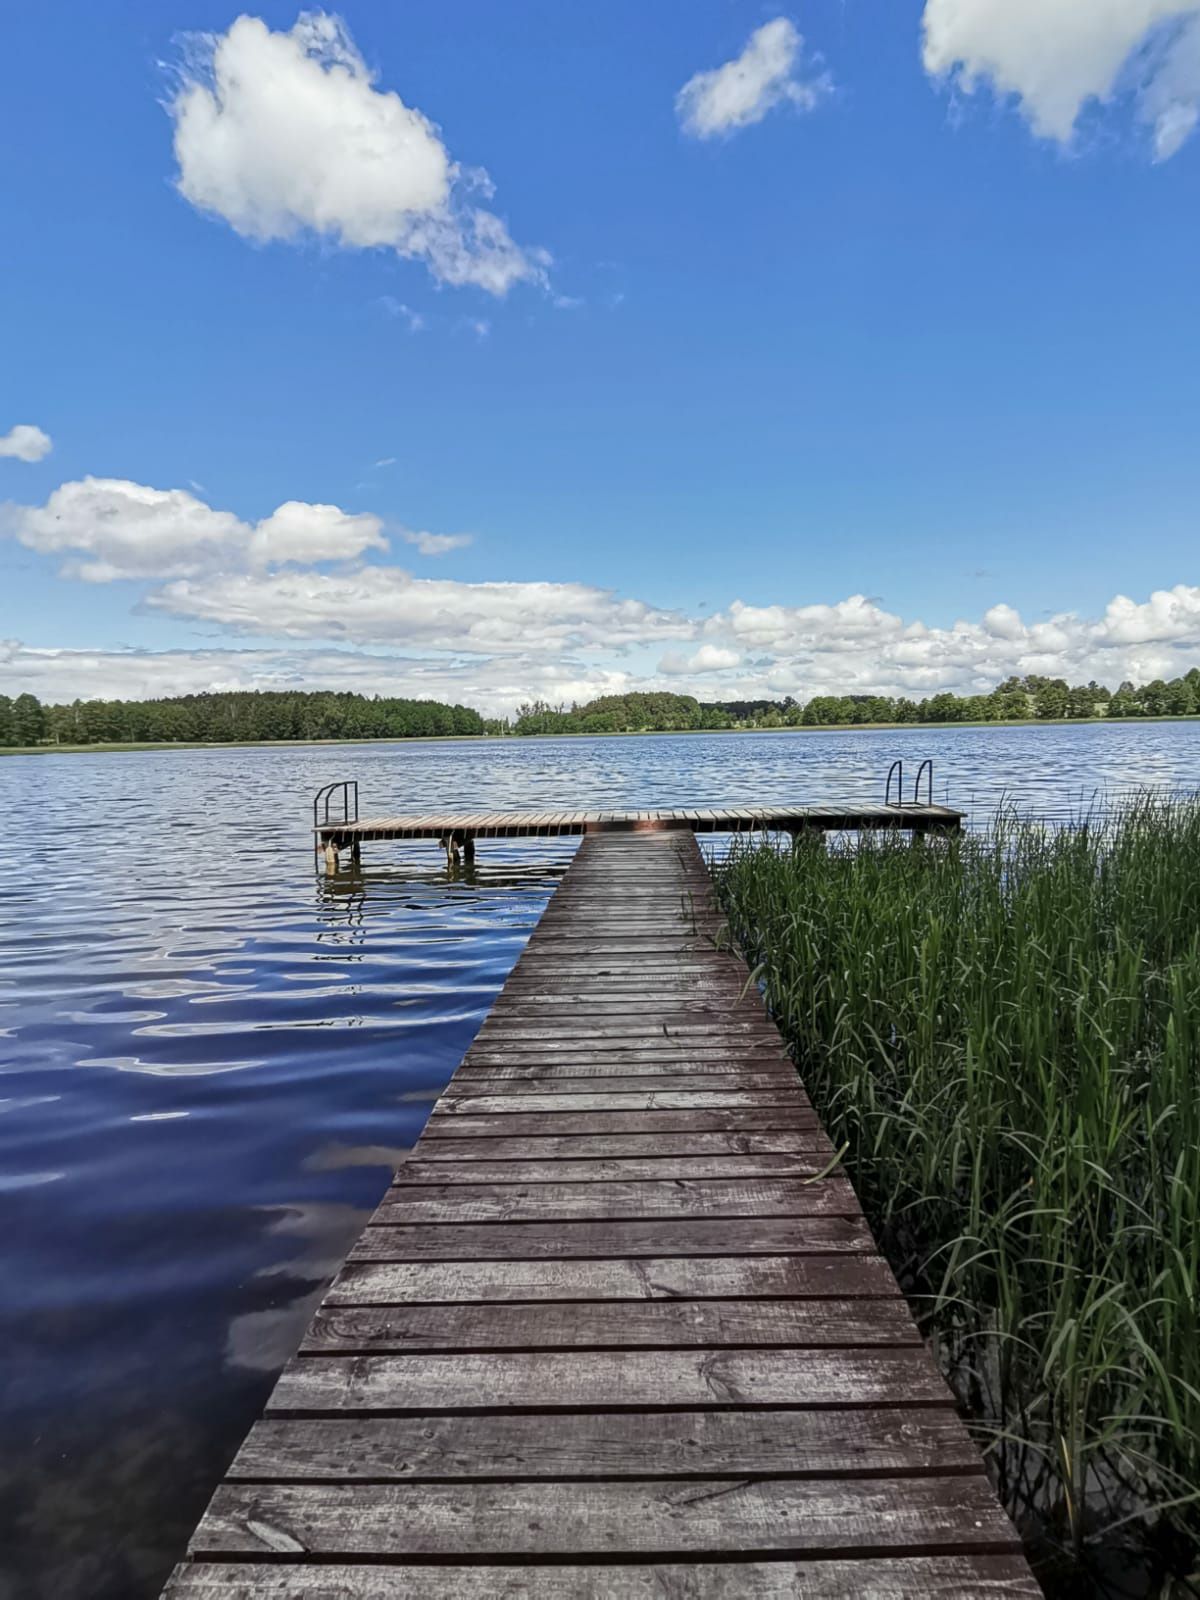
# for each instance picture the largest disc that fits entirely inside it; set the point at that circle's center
(896, 770)
(324, 796)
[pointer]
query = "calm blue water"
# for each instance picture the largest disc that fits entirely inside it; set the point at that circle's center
(210, 1059)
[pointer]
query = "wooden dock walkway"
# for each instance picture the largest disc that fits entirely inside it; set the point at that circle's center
(618, 1327)
(469, 825)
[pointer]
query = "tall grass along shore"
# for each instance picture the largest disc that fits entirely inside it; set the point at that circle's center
(1003, 1031)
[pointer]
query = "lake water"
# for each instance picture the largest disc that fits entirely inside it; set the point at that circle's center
(212, 1058)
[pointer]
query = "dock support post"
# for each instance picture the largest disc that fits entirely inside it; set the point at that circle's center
(355, 853)
(469, 851)
(449, 843)
(331, 857)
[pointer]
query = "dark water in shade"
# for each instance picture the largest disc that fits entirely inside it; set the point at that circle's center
(210, 1059)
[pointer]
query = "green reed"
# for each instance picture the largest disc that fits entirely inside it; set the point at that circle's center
(1003, 1030)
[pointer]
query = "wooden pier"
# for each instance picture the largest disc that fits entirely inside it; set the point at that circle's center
(457, 831)
(618, 1328)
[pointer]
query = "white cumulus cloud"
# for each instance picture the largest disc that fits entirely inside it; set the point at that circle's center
(743, 90)
(1056, 56)
(304, 573)
(1170, 100)
(435, 544)
(112, 528)
(494, 685)
(25, 442)
(116, 528)
(388, 606)
(493, 645)
(709, 658)
(299, 532)
(286, 133)
(269, 578)
(855, 646)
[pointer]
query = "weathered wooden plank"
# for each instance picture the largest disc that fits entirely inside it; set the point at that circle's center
(867, 1516)
(623, 940)
(551, 955)
(514, 1241)
(582, 943)
(622, 912)
(680, 905)
(630, 927)
(554, 957)
(459, 1126)
(416, 1175)
(694, 1198)
(622, 1278)
(732, 1038)
(662, 887)
(569, 989)
(555, 1380)
(582, 1070)
(607, 1052)
(629, 933)
(628, 1019)
(453, 1104)
(635, 1145)
(615, 1323)
(567, 1085)
(556, 1000)
(670, 1444)
(604, 1063)
(668, 1001)
(571, 1062)
(954, 1577)
(661, 892)
(725, 1031)
(621, 904)
(622, 929)
(624, 975)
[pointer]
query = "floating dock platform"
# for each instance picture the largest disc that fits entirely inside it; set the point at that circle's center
(466, 825)
(457, 831)
(618, 1327)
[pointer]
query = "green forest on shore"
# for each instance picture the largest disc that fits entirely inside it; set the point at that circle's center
(261, 716)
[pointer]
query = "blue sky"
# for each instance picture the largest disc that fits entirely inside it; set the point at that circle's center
(844, 347)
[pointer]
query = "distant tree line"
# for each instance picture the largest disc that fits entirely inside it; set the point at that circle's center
(1014, 700)
(621, 713)
(233, 717)
(258, 716)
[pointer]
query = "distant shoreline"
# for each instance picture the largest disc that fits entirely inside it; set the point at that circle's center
(100, 748)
